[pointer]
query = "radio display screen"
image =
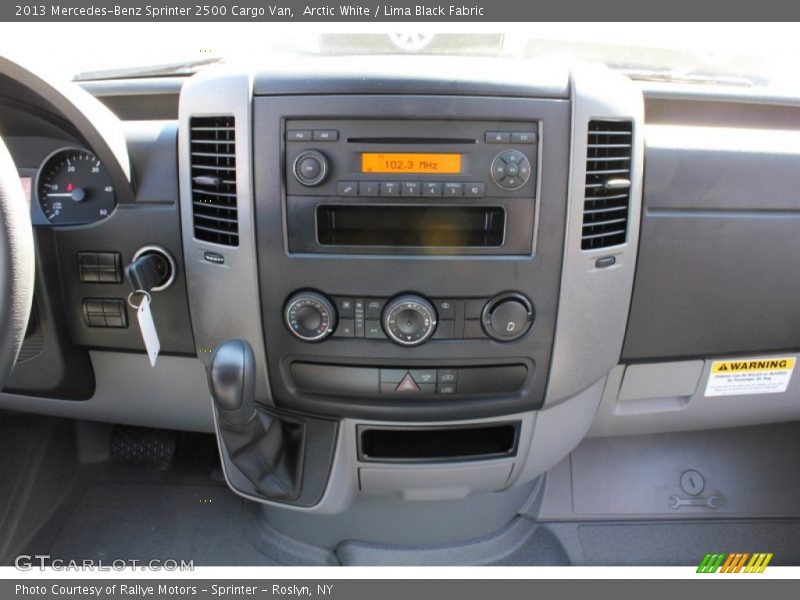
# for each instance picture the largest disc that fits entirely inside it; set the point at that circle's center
(410, 162)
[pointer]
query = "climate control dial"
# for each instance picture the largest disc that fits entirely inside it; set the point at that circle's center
(409, 320)
(507, 317)
(310, 316)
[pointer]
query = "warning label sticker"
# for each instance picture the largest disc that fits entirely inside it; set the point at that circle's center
(750, 376)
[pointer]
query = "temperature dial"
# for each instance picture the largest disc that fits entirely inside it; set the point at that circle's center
(310, 316)
(409, 320)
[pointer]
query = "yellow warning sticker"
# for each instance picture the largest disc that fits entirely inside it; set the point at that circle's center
(770, 375)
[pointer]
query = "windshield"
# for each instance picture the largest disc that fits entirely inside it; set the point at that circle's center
(751, 55)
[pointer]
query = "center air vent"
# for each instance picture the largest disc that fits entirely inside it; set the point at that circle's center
(213, 162)
(608, 183)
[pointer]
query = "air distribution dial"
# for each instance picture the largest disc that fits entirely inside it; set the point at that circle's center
(409, 320)
(311, 168)
(507, 317)
(310, 316)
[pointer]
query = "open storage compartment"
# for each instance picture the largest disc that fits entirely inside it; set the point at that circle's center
(411, 226)
(436, 444)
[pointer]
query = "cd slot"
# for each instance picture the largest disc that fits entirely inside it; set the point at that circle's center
(410, 226)
(409, 140)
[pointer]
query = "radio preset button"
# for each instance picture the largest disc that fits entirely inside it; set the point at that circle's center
(431, 189)
(390, 188)
(454, 189)
(347, 188)
(368, 188)
(411, 188)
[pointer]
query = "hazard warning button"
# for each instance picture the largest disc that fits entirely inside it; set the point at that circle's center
(407, 384)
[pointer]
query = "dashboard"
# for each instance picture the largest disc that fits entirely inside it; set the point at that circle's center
(445, 283)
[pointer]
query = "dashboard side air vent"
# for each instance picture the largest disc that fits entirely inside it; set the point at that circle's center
(608, 184)
(213, 164)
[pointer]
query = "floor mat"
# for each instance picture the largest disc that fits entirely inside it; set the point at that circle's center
(111, 521)
(687, 543)
(30, 484)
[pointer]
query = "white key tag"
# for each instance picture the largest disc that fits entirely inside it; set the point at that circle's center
(148, 328)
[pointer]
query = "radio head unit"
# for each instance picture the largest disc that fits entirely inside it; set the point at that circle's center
(411, 186)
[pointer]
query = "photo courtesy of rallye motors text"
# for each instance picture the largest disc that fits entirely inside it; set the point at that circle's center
(144, 591)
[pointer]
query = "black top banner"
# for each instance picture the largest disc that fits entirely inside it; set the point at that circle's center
(396, 11)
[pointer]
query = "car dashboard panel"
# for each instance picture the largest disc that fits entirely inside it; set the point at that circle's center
(445, 283)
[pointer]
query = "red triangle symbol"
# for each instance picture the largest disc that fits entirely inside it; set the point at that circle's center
(407, 384)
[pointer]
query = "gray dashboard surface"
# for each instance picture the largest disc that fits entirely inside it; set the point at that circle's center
(414, 75)
(718, 270)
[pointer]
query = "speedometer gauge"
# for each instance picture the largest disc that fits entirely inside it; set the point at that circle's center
(73, 187)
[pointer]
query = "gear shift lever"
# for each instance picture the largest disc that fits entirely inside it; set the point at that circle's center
(232, 378)
(268, 450)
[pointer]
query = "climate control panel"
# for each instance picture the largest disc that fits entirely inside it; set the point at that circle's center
(408, 319)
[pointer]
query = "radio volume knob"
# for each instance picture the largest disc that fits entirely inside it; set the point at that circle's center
(310, 168)
(409, 320)
(310, 316)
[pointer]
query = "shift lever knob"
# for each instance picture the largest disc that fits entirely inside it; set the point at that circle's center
(232, 379)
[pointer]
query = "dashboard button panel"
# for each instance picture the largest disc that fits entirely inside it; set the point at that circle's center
(105, 312)
(100, 267)
(409, 382)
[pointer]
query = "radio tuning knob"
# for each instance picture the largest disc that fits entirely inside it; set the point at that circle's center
(310, 316)
(409, 320)
(310, 168)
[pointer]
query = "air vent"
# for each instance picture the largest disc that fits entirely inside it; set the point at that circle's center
(608, 183)
(213, 160)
